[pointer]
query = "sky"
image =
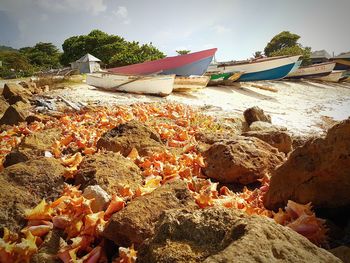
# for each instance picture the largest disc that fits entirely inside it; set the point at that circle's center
(237, 28)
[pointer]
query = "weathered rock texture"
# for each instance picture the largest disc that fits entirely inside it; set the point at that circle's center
(13, 93)
(100, 198)
(3, 106)
(278, 139)
(262, 126)
(33, 146)
(30, 86)
(342, 252)
(318, 172)
(136, 221)
(255, 114)
(226, 235)
(49, 249)
(15, 113)
(111, 171)
(240, 160)
(24, 185)
(131, 135)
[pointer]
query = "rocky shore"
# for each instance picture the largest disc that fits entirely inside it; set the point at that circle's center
(156, 180)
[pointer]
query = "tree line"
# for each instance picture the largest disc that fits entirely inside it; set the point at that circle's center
(114, 51)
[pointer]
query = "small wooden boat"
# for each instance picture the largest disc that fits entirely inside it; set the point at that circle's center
(312, 71)
(261, 69)
(226, 79)
(191, 83)
(334, 76)
(183, 65)
(160, 85)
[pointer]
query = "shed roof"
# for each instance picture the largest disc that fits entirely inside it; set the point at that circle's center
(343, 55)
(320, 54)
(88, 58)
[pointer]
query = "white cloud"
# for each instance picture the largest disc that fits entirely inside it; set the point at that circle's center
(122, 13)
(92, 6)
(220, 29)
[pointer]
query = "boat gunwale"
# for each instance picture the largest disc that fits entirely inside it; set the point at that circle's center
(248, 62)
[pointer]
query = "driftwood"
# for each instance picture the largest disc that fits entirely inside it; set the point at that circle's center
(69, 103)
(263, 87)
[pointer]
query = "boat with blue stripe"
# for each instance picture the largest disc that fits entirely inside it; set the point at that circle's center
(271, 68)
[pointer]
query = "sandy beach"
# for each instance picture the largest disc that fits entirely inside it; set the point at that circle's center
(304, 107)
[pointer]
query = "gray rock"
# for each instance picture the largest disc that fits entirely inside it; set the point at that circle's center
(226, 235)
(100, 196)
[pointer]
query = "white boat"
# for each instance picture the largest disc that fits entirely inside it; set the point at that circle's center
(161, 85)
(334, 76)
(270, 68)
(312, 71)
(190, 83)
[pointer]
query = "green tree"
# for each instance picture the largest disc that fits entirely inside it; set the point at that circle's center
(257, 54)
(14, 64)
(111, 49)
(183, 52)
(286, 43)
(42, 55)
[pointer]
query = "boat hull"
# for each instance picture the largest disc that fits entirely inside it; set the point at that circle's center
(334, 76)
(270, 74)
(313, 71)
(190, 83)
(160, 85)
(264, 69)
(183, 65)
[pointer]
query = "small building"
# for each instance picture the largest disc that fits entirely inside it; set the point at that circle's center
(343, 61)
(320, 56)
(87, 64)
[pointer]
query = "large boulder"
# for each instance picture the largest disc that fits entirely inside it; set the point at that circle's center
(3, 106)
(256, 114)
(15, 114)
(137, 220)
(43, 178)
(263, 126)
(226, 235)
(14, 199)
(127, 136)
(33, 146)
(111, 171)
(240, 160)
(318, 172)
(13, 93)
(30, 86)
(24, 185)
(278, 139)
(342, 252)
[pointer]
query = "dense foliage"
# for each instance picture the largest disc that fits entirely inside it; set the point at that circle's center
(183, 52)
(14, 65)
(286, 43)
(42, 55)
(111, 49)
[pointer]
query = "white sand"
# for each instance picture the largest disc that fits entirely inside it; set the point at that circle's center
(300, 106)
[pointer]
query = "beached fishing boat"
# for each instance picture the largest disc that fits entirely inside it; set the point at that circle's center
(261, 69)
(191, 83)
(183, 65)
(296, 66)
(334, 76)
(160, 85)
(224, 78)
(312, 71)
